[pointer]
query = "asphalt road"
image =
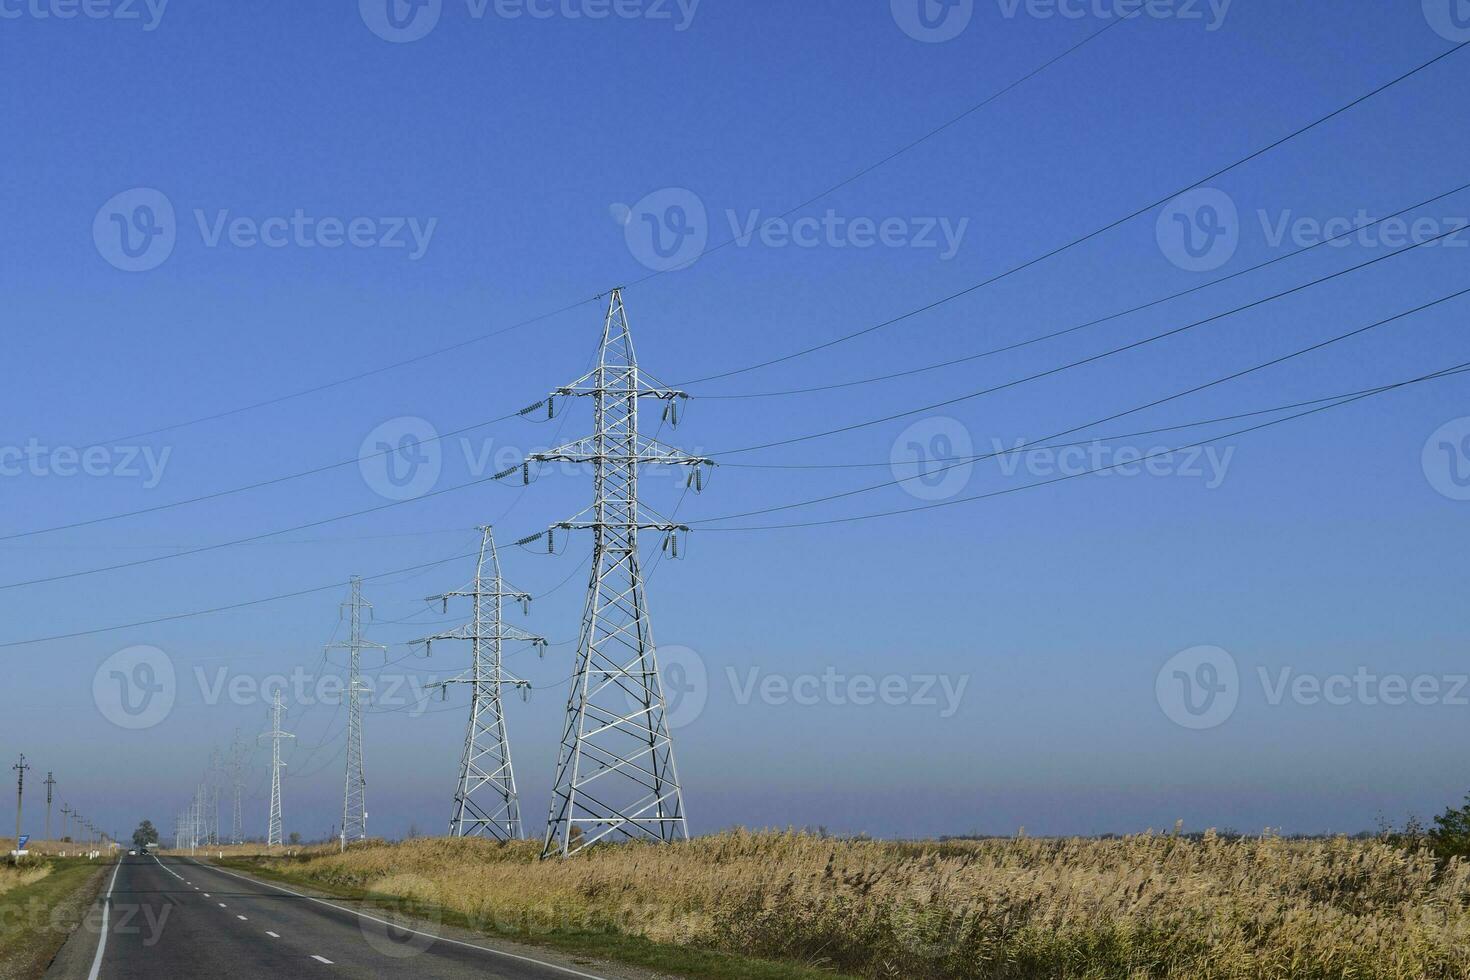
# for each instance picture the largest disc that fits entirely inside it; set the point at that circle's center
(175, 917)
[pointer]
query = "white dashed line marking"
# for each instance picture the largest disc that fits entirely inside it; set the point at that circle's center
(242, 918)
(223, 905)
(321, 959)
(441, 939)
(206, 894)
(273, 935)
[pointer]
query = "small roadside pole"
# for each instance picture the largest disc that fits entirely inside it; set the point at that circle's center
(20, 792)
(50, 785)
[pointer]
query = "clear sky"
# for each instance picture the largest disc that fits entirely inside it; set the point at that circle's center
(347, 196)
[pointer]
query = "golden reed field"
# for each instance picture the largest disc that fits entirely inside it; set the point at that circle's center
(1150, 906)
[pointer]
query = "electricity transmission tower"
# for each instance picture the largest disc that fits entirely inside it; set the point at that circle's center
(201, 822)
(354, 793)
(273, 831)
(485, 800)
(615, 770)
(237, 787)
(66, 813)
(50, 785)
(213, 778)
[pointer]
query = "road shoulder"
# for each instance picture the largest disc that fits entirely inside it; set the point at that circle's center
(43, 919)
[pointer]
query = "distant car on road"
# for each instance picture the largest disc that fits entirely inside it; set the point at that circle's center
(132, 853)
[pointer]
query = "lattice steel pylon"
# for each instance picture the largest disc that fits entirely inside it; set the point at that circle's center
(354, 792)
(615, 773)
(485, 799)
(273, 829)
(237, 789)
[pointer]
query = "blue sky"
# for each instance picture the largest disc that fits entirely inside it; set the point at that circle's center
(517, 147)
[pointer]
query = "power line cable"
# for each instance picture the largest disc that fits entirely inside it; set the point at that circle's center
(239, 541)
(1091, 323)
(1046, 443)
(238, 605)
(461, 345)
(261, 483)
(1076, 241)
(1444, 372)
(1140, 408)
(1153, 338)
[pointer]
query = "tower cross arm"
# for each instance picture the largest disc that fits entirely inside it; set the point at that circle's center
(588, 384)
(645, 451)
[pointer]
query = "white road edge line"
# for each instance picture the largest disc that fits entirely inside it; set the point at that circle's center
(443, 939)
(102, 938)
(321, 959)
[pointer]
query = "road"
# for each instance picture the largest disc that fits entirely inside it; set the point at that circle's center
(176, 917)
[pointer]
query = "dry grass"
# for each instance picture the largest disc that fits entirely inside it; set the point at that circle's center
(1142, 907)
(19, 877)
